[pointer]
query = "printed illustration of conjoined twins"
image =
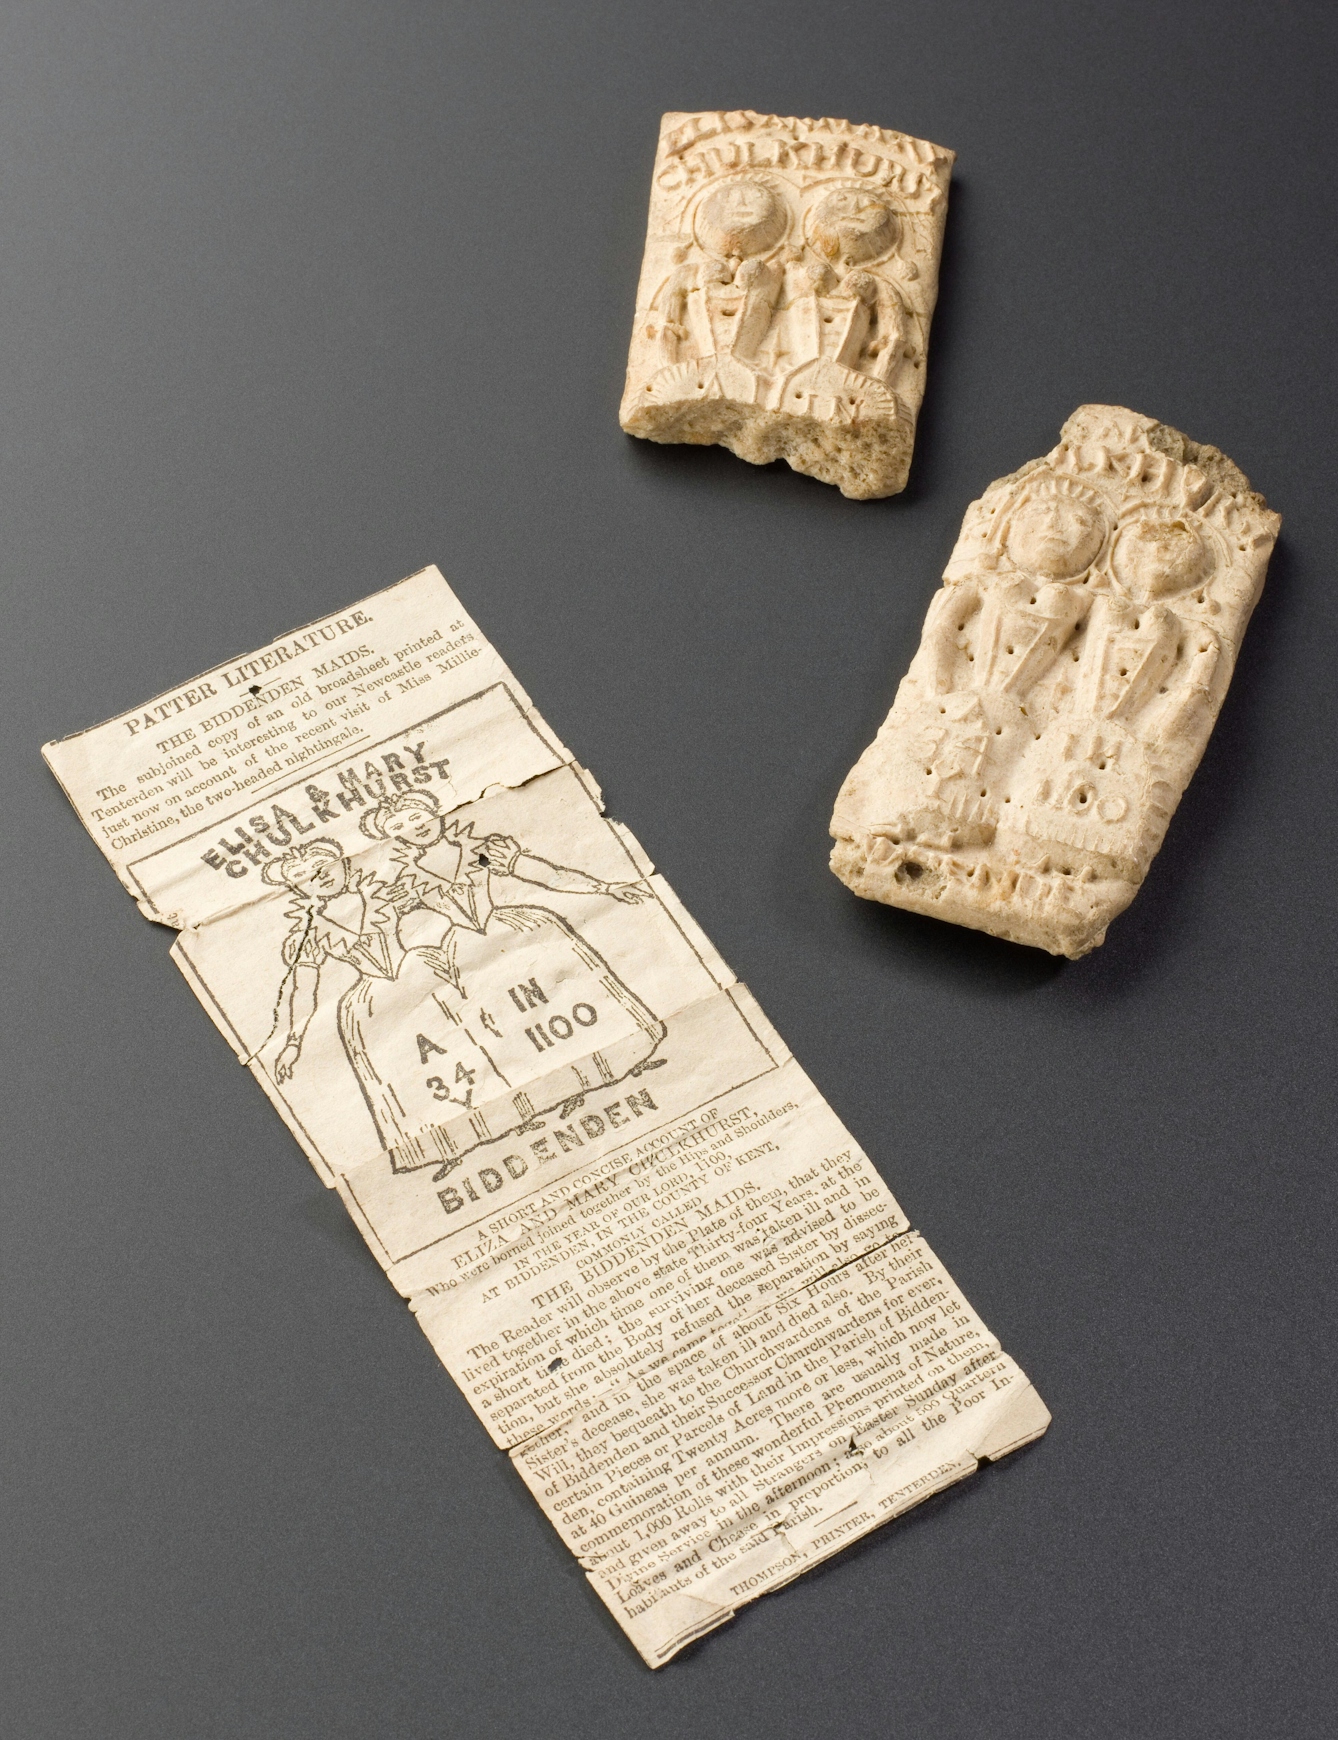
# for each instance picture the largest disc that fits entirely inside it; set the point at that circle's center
(1068, 677)
(474, 1011)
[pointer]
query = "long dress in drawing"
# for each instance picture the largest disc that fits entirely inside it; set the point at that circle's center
(554, 1018)
(395, 1020)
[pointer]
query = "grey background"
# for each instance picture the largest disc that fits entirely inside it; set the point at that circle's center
(298, 297)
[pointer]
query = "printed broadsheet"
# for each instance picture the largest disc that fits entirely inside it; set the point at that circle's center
(670, 1283)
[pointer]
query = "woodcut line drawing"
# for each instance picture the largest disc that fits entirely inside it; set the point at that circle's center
(474, 1012)
(689, 1292)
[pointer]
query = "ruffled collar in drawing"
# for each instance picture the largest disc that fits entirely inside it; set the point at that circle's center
(467, 891)
(375, 930)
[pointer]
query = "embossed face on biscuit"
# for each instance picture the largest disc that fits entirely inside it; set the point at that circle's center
(1055, 536)
(851, 226)
(1154, 557)
(740, 219)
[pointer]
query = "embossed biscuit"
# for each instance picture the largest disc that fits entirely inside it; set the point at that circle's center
(789, 278)
(1069, 675)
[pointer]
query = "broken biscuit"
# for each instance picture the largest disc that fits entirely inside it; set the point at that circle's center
(789, 278)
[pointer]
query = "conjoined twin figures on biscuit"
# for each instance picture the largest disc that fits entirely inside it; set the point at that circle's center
(1040, 658)
(1069, 674)
(739, 293)
(786, 294)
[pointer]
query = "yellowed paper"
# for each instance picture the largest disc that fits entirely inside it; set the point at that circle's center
(669, 1282)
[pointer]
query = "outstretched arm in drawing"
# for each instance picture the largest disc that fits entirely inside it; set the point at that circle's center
(508, 857)
(300, 1001)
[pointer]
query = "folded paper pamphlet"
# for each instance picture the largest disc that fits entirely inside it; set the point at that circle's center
(669, 1282)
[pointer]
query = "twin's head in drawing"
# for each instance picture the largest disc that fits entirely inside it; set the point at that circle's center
(470, 1011)
(412, 816)
(316, 870)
